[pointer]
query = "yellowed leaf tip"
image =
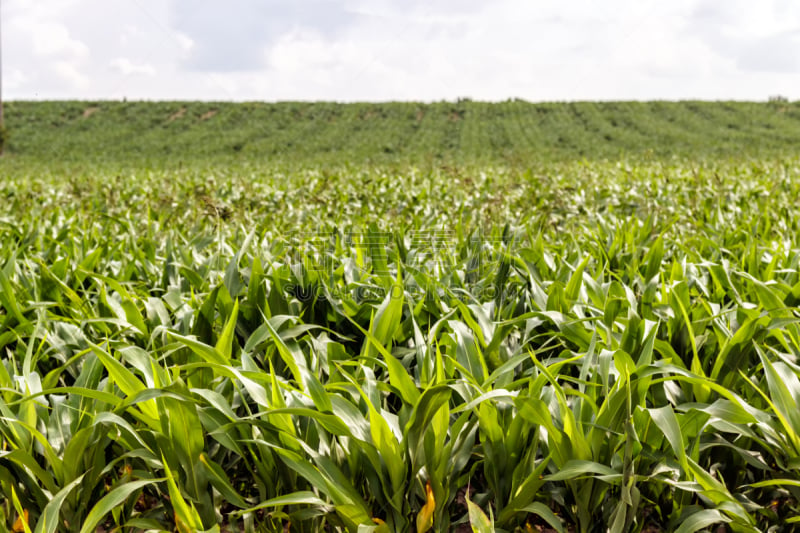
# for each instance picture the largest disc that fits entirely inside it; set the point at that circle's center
(425, 516)
(21, 522)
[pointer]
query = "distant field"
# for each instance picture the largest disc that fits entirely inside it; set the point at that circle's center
(512, 132)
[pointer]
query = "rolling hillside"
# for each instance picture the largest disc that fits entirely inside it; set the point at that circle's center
(513, 132)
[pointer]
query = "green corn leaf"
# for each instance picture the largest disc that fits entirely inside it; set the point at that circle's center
(22, 514)
(701, 520)
(577, 468)
(548, 515)
(295, 498)
(220, 481)
(186, 517)
(107, 503)
(667, 422)
(49, 521)
(224, 346)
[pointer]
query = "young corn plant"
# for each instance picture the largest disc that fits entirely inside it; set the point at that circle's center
(500, 350)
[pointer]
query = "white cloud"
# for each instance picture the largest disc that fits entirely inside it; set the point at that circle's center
(775, 53)
(402, 49)
(51, 39)
(14, 79)
(184, 41)
(128, 67)
(70, 74)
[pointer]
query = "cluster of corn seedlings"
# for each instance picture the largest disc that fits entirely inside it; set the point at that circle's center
(575, 348)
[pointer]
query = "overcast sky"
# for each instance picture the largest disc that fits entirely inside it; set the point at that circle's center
(426, 50)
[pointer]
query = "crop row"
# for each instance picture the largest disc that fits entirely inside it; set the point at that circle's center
(509, 132)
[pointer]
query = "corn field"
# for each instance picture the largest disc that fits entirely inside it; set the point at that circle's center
(574, 347)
